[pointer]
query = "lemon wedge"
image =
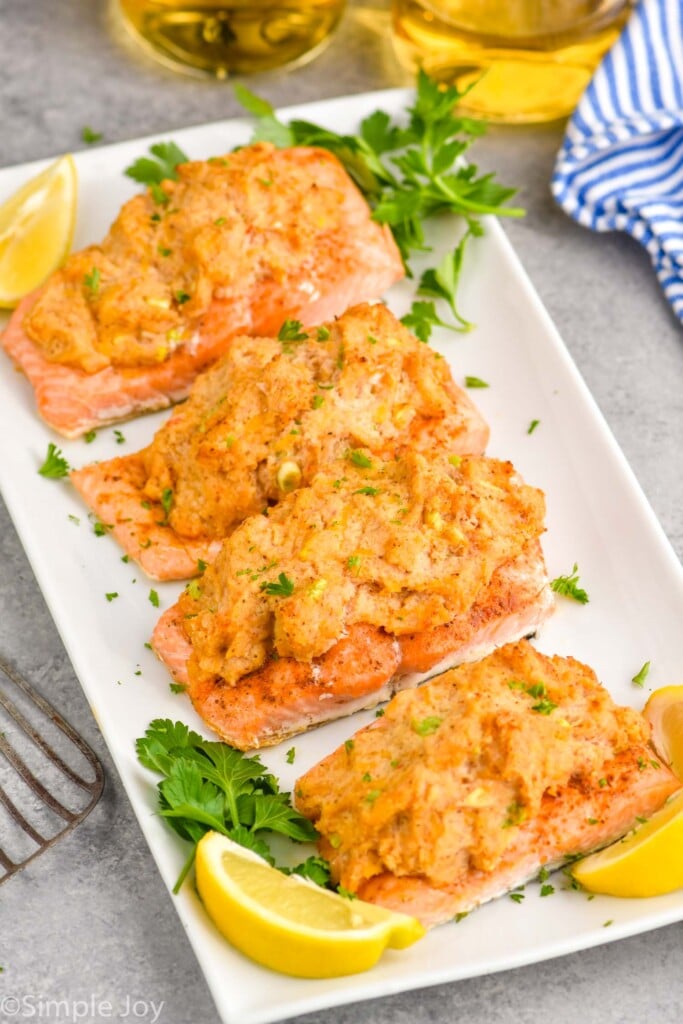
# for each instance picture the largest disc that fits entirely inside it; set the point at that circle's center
(664, 712)
(36, 228)
(647, 862)
(289, 924)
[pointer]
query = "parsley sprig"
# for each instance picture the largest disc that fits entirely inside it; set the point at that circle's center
(208, 785)
(408, 173)
(55, 465)
(158, 168)
(568, 586)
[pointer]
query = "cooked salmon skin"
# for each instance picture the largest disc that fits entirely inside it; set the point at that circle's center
(262, 422)
(235, 246)
(466, 787)
(358, 585)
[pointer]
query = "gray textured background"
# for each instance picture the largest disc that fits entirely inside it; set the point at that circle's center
(91, 917)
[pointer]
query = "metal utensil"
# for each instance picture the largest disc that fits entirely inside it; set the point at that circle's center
(50, 779)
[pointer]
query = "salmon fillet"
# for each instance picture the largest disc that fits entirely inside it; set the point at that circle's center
(263, 421)
(236, 245)
(361, 670)
(333, 601)
(466, 787)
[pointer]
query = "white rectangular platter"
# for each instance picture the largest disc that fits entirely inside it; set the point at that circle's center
(597, 517)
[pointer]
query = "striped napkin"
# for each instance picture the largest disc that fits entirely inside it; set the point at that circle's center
(621, 164)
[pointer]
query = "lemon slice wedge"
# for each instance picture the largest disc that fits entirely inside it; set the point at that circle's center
(36, 228)
(289, 924)
(664, 712)
(647, 862)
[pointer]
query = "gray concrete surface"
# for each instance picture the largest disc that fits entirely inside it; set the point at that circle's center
(91, 917)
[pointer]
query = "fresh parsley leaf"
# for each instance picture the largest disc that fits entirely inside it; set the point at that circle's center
(210, 785)
(422, 318)
(322, 334)
(370, 491)
(476, 382)
(111, 596)
(269, 128)
(55, 465)
(568, 586)
(161, 166)
(90, 436)
(641, 675)
(317, 869)
(182, 297)
(177, 687)
(407, 174)
(291, 754)
(442, 282)
(283, 588)
(154, 598)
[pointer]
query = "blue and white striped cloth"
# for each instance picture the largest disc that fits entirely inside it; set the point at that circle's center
(621, 165)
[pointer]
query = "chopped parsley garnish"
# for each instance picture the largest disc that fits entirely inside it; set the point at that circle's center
(317, 401)
(166, 503)
(125, 559)
(208, 785)
(163, 250)
(515, 814)
(120, 439)
(317, 869)
(291, 754)
(348, 746)
(568, 586)
(516, 897)
(358, 458)
(111, 596)
(219, 221)
(532, 426)
(460, 916)
(372, 796)
(322, 334)
(182, 297)
(89, 136)
(353, 561)
(283, 588)
(55, 465)
(154, 598)
(544, 707)
(201, 565)
(641, 675)
(162, 165)
(476, 382)
(194, 590)
(90, 436)
(91, 282)
(100, 529)
(177, 687)
(547, 889)
(426, 726)
(291, 330)
(370, 491)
